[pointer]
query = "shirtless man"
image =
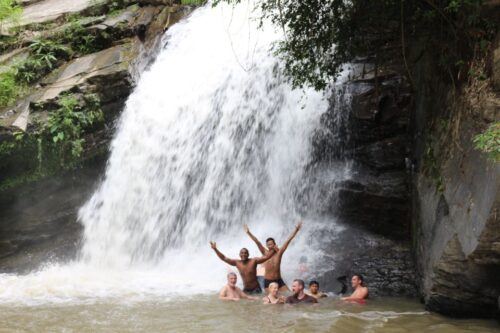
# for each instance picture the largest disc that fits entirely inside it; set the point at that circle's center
(273, 265)
(246, 266)
(360, 292)
(232, 293)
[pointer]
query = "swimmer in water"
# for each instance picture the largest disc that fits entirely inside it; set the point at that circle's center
(360, 291)
(246, 266)
(314, 290)
(230, 292)
(273, 265)
(273, 296)
(298, 294)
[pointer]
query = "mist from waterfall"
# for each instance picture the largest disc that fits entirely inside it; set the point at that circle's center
(213, 137)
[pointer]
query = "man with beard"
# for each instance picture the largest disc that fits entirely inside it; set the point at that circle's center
(298, 294)
(246, 266)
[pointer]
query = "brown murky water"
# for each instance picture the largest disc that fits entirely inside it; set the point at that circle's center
(207, 314)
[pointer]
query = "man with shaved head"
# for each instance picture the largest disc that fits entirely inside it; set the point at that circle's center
(246, 266)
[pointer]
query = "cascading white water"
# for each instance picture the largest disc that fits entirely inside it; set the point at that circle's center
(212, 138)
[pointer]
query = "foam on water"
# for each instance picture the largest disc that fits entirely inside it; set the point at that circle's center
(211, 138)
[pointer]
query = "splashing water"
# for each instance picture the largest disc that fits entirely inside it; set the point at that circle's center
(212, 138)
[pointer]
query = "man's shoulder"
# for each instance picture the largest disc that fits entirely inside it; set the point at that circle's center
(310, 299)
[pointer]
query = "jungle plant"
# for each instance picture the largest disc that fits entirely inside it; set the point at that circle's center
(9, 11)
(193, 2)
(44, 55)
(79, 39)
(489, 141)
(8, 88)
(322, 35)
(67, 124)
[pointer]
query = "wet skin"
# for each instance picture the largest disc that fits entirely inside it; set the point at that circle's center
(273, 265)
(246, 266)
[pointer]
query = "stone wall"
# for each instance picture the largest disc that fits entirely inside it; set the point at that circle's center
(455, 193)
(367, 129)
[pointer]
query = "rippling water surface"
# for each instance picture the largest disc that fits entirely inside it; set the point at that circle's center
(205, 313)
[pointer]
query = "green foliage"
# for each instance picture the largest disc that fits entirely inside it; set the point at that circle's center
(79, 39)
(8, 88)
(44, 55)
(9, 11)
(323, 35)
(431, 165)
(57, 144)
(66, 125)
(489, 141)
(193, 2)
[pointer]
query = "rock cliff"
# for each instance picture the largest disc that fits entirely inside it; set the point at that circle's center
(39, 195)
(456, 192)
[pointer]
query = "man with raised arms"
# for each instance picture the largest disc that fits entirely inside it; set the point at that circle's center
(246, 266)
(273, 265)
(232, 293)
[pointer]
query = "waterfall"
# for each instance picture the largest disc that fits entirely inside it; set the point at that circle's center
(212, 138)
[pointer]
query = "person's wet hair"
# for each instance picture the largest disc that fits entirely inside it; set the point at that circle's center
(300, 282)
(314, 282)
(231, 274)
(359, 277)
(270, 239)
(244, 249)
(274, 284)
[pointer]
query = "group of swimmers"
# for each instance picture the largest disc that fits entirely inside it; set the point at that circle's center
(272, 282)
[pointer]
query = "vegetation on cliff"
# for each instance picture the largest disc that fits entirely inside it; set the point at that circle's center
(9, 11)
(321, 36)
(489, 141)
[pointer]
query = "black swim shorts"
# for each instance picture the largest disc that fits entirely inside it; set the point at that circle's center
(280, 283)
(255, 290)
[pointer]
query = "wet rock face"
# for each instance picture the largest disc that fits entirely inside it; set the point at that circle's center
(456, 199)
(387, 266)
(371, 132)
(367, 128)
(38, 222)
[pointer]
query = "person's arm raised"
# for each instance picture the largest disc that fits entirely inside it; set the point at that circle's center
(262, 249)
(265, 258)
(292, 236)
(222, 257)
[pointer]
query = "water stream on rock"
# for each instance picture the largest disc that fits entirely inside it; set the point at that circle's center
(212, 138)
